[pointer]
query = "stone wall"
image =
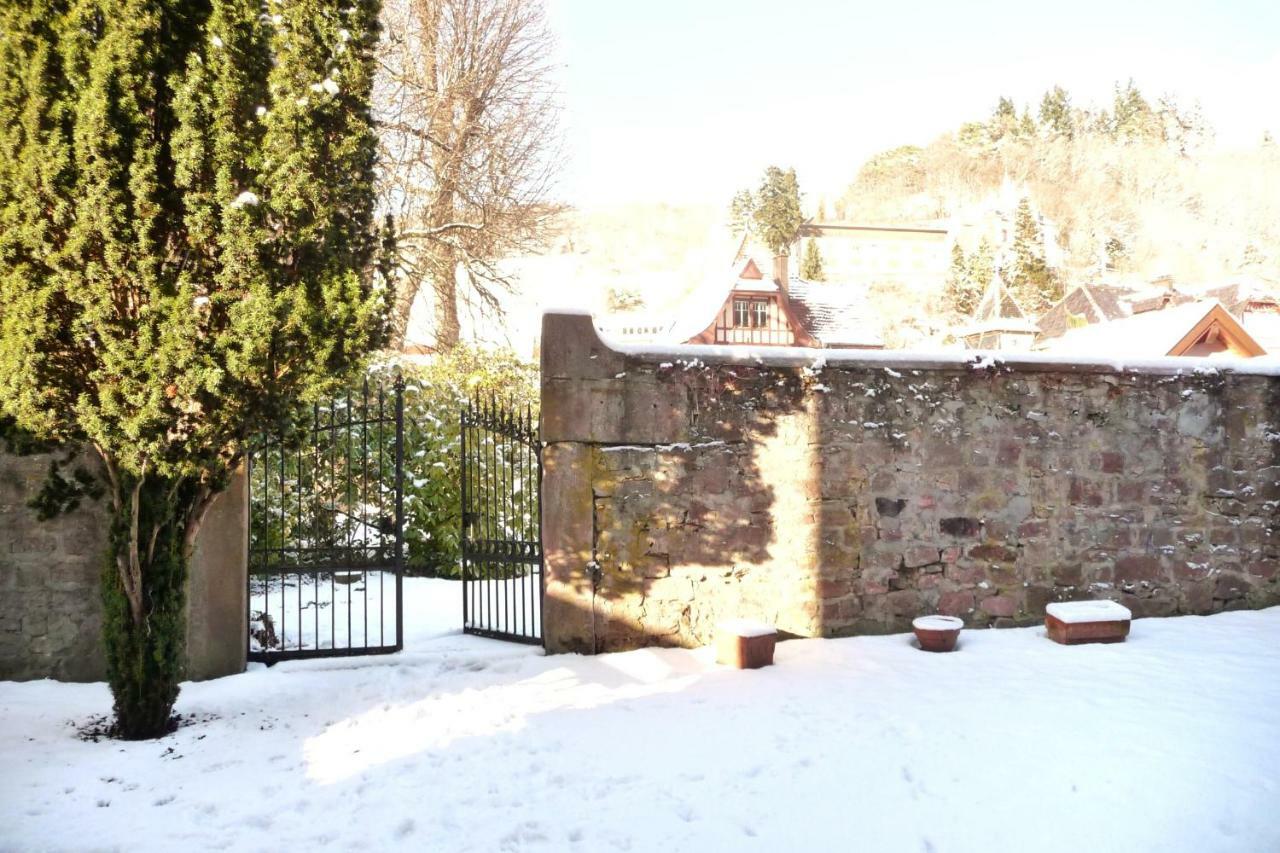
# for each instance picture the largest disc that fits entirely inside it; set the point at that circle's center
(50, 608)
(50, 603)
(850, 496)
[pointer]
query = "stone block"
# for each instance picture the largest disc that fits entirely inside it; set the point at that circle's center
(999, 605)
(957, 603)
(1137, 568)
(916, 556)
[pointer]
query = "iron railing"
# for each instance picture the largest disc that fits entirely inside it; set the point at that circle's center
(326, 530)
(502, 566)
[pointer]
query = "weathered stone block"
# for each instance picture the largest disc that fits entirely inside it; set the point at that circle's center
(999, 605)
(1137, 568)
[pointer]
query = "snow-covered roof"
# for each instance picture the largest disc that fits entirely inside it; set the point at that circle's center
(838, 314)
(1095, 303)
(755, 285)
(1152, 333)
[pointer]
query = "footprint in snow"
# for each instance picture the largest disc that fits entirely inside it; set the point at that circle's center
(405, 828)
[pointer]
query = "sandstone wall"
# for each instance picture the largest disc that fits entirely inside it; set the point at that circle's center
(50, 608)
(50, 603)
(849, 497)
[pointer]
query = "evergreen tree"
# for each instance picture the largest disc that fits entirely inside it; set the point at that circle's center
(968, 278)
(772, 213)
(1029, 278)
(777, 214)
(1131, 116)
(740, 211)
(1004, 121)
(982, 268)
(186, 194)
(1116, 253)
(811, 264)
(1026, 124)
(1055, 113)
(959, 287)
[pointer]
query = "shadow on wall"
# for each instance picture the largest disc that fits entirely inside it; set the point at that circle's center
(676, 525)
(843, 499)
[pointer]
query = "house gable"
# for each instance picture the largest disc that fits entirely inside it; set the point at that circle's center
(752, 316)
(1217, 332)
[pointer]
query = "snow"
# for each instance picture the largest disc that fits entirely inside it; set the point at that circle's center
(746, 628)
(1268, 365)
(245, 199)
(1101, 610)
(937, 623)
(1169, 741)
(333, 610)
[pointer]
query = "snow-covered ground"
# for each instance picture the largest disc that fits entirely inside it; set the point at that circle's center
(1168, 742)
(341, 610)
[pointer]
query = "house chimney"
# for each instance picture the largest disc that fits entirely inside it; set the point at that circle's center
(781, 277)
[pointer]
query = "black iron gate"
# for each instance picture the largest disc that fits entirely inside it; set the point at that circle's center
(326, 530)
(502, 583)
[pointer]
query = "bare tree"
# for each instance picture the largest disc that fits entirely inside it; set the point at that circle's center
(469, 121)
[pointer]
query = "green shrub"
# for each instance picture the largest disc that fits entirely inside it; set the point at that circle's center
(435, 395)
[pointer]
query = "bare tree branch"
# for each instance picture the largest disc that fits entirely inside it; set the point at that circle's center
(470, 141)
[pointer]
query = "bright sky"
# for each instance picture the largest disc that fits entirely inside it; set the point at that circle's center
(687, 100)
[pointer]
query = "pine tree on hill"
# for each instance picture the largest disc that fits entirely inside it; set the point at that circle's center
(1026, 124)
(1132, 116)
(811, 264)
(1055, 113)
(740, 211)
(1004, 121)
(777, 214)
(958, 290)
(982, 268)
(772, 213)
(1029, 278)
(968, 278)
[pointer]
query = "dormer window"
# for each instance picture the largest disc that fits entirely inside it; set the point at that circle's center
(760, 312)
(751, 313)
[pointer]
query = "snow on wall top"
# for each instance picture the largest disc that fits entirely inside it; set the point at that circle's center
(942, 360)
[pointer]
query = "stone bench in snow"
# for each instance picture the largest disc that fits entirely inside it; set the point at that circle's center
(744, 644)
(1071, 622)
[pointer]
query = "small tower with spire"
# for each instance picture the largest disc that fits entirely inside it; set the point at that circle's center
(999, 323)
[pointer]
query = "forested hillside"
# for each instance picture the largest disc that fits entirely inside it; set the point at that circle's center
(1134, 188)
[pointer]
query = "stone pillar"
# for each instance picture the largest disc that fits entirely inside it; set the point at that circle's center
(217, 629)
(568, 618)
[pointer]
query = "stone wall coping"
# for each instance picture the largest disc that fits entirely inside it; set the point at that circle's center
(561, 320)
